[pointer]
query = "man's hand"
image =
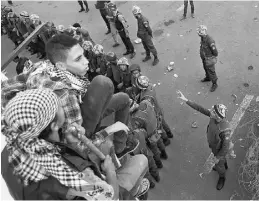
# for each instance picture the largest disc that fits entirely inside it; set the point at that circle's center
(119, 86)
(118, 126)
(70, 138)
(108, 165)
(98, 70)
(181, 96)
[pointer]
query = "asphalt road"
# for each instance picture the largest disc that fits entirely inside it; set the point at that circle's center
(235, 28)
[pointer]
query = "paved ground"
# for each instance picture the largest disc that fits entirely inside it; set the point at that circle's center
(235, 27)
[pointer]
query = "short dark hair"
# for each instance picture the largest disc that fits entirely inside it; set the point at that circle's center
(76, 25)
(20, 65)
(58, 46)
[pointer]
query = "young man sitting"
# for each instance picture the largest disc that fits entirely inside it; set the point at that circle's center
(32, 124)
(84, 103)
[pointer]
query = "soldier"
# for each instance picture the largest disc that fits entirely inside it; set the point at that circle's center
(101, 5)
(86, 9)
(218, 135)
(21, 26)
(135, 72)
(145, 34)
(99, 62)
(141, 134)
(208, 54)
(111, 19)
(185, 9)
(125, 78)
(39, 42)
(141, 90)
(145, 118)
(83, 33)
(12, 29)
(112, 60)
(122, 27)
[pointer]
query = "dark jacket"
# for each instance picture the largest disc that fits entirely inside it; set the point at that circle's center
(218, 133)
(208, 47)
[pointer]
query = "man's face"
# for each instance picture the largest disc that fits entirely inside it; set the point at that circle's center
(76, 62)
(123, 68)
(136, 16)
(135, 73)
(215, 116)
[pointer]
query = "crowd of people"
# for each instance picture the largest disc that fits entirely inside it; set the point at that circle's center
(52, 112)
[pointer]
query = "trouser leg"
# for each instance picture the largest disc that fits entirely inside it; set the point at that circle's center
(185, 8)
(192, 6)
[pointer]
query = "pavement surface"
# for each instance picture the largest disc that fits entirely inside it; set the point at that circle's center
(235, 27)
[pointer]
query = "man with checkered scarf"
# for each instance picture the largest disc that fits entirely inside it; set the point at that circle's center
(218, 135)
(50, 169)
(84, 103)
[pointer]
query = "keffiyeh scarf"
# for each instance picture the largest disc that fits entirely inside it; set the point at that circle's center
(34, 159)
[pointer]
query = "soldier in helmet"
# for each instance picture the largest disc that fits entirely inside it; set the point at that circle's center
(208, 54)
(145, 34)
(122, 28)
(12, 29)
(218, 135)
(135, 72)
(125, 81)
(144, 117)
(141, 90)
(99, 62)
(112, 60)
(89, 54)
(4, 20)
(21, 26)
(111, 19)
(83, 33)
(141, 135)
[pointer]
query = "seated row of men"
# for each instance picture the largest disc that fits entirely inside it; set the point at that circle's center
(50, 97)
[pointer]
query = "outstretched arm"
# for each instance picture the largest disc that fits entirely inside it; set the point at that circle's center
(193, 105)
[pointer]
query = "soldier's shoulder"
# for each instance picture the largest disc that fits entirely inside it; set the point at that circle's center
(210, 40)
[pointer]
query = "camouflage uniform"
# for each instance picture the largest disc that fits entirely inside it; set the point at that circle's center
(145, 118)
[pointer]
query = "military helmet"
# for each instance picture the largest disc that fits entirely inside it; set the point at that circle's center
(136, 10)
(87, 45)
(98, 49)
(134, 67)
(111, 56)
(202, 30)
(142, 82)
(60, 28)
(24, 14)
(8, 9)
(220, 110)
(123, 61)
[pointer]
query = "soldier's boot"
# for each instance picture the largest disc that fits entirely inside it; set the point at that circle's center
(156, 60)
(108, 32)
(170, 134)
(165, 138)
(221, 182)
(226, 165)
(214, 86)
(148, 57)
(159, 163)
(163, 155)
(150, 179)
(183, 17)
(193, 16)
(156, 177)
(206, 79)
(133, 54)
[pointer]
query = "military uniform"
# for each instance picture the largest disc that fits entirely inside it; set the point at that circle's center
(150, 94)
(99, 62)
(141, 134)
(114, 32)
(101, 6)
(145, 34)
(218, 136)
(145, 118)
(208, 54)
(119, 20)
